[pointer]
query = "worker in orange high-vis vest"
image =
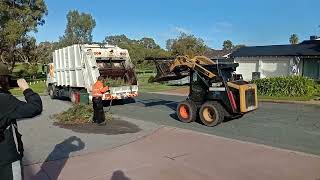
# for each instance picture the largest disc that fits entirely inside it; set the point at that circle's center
(97, 92)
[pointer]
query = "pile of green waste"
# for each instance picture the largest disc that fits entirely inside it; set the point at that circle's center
(114, 82)
(78, 114)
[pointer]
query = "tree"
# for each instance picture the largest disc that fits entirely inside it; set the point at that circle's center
(227, 45)
(118, 40)
(169, 44)
(79, 28)
(148, 43)
(294, 39)
(17, 19)
(186, 45)
(44, 51)
(138, 49)
(236, 47)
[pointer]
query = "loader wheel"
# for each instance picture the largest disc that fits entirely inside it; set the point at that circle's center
(211, 113)
(187, 111)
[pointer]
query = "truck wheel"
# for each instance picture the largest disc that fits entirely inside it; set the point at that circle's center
(211, 113)
(51, 92)
(187, 111)
(74, 96)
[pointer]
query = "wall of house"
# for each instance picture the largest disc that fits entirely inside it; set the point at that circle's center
(311, 68)
(267, 66)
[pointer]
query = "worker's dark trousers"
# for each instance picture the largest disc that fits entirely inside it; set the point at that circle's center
(98, 113)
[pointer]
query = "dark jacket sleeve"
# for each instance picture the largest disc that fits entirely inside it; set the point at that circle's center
(32, 107)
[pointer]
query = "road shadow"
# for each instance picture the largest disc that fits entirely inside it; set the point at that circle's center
(232, 118)
(175, 116)
(54, 163)
(158, 102)
(119, 175)
(119, 102)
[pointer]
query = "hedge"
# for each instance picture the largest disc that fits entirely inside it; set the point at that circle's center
(292, 86)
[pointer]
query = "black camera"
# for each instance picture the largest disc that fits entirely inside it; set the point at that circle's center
(1, 135)
(13, 82)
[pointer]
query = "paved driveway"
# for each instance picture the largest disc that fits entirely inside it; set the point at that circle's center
(290, 126)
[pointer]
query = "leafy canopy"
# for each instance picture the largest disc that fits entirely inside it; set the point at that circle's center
(294, 39)
(79, 28)
(17, 19)
(228, 45)
(186, 45)
(138, 49)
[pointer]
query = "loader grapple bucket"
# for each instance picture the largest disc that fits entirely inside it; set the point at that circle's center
(164, 74)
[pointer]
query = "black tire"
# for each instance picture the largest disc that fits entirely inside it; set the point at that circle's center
(187, 111)
(51, 92)
(211, 113)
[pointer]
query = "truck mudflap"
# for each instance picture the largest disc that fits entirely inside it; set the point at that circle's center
(123, 92)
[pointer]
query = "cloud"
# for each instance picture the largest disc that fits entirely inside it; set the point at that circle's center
(222, 27)
(181, 30)
(174, 31)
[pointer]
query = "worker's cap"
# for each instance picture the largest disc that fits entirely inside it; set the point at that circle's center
(4, 70)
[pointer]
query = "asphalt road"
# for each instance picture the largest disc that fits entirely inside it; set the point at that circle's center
(289, 126)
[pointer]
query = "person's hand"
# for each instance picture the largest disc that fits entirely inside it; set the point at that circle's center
(23, 85)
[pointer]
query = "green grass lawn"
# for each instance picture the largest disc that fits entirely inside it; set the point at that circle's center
(38, 88)
(18, 67)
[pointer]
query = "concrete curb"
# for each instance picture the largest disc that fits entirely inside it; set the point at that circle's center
(291, 102)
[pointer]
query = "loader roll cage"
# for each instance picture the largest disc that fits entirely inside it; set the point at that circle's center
(216, 91)
(208, 71)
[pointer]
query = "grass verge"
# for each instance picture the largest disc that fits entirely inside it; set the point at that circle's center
(39, 88)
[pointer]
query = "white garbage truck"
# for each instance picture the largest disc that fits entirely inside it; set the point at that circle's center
(76, 68)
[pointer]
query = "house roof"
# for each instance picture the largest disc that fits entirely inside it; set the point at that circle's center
(306, 48)
(213, 53)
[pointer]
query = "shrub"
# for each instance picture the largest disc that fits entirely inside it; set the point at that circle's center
(317, 93)
(292, 86)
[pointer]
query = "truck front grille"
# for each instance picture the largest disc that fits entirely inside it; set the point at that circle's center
(250, 98)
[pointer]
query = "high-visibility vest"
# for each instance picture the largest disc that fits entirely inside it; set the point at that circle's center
(98, 90)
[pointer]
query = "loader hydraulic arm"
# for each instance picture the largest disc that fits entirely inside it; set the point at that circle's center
(179, 67)
(194, 64)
